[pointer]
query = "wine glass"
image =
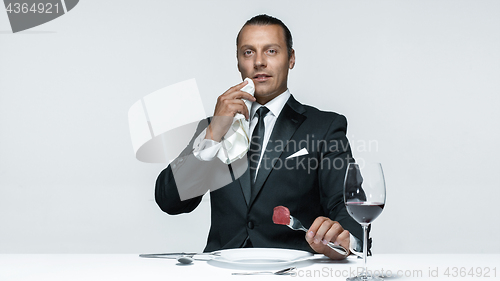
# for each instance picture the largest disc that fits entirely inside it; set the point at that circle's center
(364, 198)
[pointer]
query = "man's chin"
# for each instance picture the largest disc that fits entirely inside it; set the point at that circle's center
(261, 94)
(262, 91)
(265, 97)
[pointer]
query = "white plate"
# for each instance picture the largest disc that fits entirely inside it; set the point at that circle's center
(259, 258)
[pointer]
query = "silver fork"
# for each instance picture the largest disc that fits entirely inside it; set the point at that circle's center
(286, 271)
(296, 225)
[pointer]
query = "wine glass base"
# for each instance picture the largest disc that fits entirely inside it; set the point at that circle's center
(365, 278)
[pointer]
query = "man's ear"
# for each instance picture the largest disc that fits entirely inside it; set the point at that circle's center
(291, 60)
(238, 62)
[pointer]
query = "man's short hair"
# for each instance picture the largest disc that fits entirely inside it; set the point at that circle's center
(269, 20)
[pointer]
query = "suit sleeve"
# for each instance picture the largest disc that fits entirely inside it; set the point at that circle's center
(335, 157)
(180, 187)
(174, 181)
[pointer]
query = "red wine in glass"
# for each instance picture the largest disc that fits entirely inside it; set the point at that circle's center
(364, 212)
(364, 198)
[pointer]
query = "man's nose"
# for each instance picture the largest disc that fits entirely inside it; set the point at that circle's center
(260, 60)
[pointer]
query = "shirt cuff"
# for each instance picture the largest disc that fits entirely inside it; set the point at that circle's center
(205, 149)
(356, 244)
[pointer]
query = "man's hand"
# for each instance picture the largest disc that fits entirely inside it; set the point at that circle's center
(228, 104)
(324, 230)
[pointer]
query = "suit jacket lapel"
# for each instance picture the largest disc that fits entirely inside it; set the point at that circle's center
(245, 184)
(288, 121)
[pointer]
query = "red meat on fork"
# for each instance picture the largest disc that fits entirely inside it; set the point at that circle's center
(281, 215)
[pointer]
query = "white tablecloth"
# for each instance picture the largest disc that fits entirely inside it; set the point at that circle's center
(72, 267)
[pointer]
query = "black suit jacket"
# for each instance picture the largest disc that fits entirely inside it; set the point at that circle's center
(310, 185)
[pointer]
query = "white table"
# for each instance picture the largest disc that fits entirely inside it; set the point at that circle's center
(70, 267)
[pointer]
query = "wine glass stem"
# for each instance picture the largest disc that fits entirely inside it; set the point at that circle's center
(365, 247)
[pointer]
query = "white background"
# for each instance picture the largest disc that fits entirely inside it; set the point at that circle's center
(418, 80)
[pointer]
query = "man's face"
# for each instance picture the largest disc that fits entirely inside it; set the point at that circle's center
(263, 57)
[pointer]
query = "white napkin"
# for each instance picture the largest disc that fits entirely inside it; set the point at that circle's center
(236, 142)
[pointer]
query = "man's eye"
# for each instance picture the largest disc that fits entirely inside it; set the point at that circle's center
(247, 52)
(272, 51)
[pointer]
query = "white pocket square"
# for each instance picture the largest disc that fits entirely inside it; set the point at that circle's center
(301, 152)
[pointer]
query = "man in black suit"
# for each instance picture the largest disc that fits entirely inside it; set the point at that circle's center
(297, 158)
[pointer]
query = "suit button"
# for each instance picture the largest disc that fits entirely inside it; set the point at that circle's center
(250, 225)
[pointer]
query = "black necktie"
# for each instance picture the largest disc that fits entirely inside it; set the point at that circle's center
(256, 143)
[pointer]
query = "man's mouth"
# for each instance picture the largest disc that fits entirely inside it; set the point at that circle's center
(261, 77)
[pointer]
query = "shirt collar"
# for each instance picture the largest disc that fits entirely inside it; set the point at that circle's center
(275, 105)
